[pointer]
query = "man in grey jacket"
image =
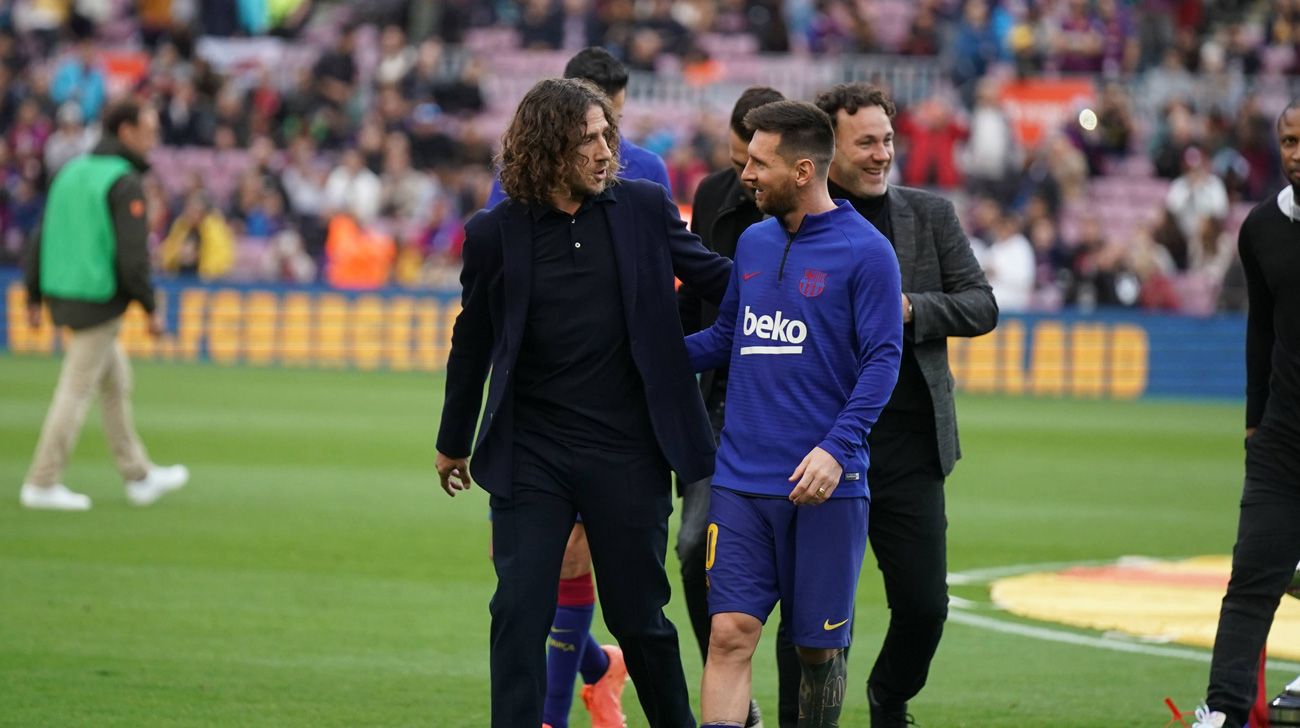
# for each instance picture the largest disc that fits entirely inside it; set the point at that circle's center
(914, 443)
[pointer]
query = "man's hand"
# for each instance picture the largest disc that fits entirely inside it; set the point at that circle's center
(454, 473)
(907, 310)
(1250, 432)
(157, 327)
(34, 315)
(818, 476)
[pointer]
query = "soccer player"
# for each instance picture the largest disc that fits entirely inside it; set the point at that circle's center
(811, 328)
(1268, 540)
(723, 209)
(568, 301)
(571, 650)
(90, 261)
(914, 443)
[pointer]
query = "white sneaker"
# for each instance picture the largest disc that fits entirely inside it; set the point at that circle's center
(158, 482)
(54, 498)
(1207, 719)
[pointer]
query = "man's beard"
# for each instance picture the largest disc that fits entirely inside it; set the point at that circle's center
(777, 202)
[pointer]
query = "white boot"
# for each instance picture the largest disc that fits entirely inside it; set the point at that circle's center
(54, 498)
(158, 482)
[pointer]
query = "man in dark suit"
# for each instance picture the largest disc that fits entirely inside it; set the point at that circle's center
(568, 299)
(914, 443)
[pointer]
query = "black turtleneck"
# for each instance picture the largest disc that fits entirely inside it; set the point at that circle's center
(910, 408)
(875, 209)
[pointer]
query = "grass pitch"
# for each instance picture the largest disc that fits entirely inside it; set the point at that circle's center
(313, 574)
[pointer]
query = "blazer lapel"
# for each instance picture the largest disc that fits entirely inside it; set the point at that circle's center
(517, 260)
(903, 219)
(623, 236)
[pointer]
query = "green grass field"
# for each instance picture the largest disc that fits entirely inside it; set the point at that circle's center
(313, 574)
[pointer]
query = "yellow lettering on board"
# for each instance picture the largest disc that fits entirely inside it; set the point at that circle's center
(367, 323)
(261, 327)
(23, 338)
(1129, 361)
(1047, 359)
(296, 330)
(190, 322)
(225, 326)
(427, 334)
(397, 325)
(1088, 360)
(982, 363)
(331, 330)
(1011, 336)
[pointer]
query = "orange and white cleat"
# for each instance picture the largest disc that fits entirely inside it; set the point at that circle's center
(604, 698)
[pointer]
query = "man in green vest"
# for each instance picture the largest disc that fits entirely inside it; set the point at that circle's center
(89, 262)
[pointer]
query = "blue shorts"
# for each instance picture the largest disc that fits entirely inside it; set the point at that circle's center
(762, 550)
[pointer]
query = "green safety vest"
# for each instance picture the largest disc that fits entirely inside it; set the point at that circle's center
(78, 242)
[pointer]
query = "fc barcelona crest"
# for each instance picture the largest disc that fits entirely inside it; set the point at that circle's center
(813, 283)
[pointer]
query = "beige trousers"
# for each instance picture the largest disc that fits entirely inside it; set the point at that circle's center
(94, 363)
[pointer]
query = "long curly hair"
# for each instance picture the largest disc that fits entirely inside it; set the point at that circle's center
(539, 151)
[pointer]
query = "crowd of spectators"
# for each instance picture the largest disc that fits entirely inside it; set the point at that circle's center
(358, 166)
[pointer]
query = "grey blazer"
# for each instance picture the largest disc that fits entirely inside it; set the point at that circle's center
(949, 293)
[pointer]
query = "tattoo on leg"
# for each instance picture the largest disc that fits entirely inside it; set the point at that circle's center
(821, 693)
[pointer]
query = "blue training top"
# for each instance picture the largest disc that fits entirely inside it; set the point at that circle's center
(813, 338)
(636, 163)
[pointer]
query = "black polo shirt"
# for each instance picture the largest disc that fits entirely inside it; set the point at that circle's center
(910, 407)
(575, 381)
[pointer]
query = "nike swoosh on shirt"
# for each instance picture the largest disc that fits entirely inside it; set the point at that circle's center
(828, 626)
(747, 276)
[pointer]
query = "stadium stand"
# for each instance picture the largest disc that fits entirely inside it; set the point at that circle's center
(1092, 108)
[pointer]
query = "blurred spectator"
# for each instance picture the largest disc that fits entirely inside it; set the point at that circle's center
(1068, 167)
(464, 94)
(79, 78)
(1120, 50)
(1010, 265)
(1080, 44)
(199, 243)
(932, 133)
(28, 135)
(71, 139)
(924, 38)
(406, 193)
(336, 72)
(839, 27)
(286, 261)
(1051, 262)
(184, 122)
(1194, 198)
(991, 152)
(579, 25)
(1115, 128)
(1154, 270)
(976, 46)
(396, 58)
(541, 25)
(352, 189)
(357, 258)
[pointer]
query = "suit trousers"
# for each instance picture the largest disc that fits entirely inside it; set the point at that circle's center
(625, 501)
(95, 363)
(1263, 564)
(907, 529)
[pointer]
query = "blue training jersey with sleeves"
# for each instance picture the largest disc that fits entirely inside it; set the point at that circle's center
(813, 339)
(637, 163)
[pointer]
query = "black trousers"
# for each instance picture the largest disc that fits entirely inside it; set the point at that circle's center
(907, 529)
(1263, 563)
(625, 502)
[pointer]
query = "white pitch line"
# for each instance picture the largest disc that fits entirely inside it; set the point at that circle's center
(958, 614)
(1071, 638)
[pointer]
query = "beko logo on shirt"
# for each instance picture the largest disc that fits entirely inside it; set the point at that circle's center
(779, 329)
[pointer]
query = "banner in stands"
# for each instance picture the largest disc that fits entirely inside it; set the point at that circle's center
(1104, 356)
(1037, 105)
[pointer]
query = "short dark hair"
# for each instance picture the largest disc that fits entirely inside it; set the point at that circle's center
(599, 66)
(805, 130)
(126, 111)
(752, 98)
(1293, 106)
(853, 96)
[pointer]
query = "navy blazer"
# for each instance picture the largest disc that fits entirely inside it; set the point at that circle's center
(651, 245)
